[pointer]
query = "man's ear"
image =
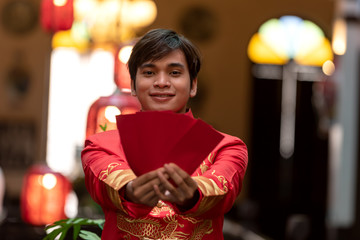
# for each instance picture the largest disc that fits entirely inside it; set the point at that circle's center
(133, 89)
(193, 89)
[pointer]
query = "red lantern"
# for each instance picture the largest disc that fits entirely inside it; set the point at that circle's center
(57, 15)
(122, 76)
(101, 116)
(44, 196)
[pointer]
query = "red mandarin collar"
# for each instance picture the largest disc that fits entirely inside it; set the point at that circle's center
(189, 113)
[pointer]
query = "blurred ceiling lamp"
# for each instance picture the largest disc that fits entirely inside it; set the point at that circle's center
(43, 197)
(138, 13)
(328, 68)
(289, 38)
(57, 15)
(122, 76)
(114, 20)
(77, 38)
(339, 36)
(101, 116)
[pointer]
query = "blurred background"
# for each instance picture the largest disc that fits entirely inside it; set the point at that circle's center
(281, 75)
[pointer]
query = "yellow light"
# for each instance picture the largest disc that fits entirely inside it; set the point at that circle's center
(138, 13)
(49, 181)
(317, 56)
(111, 112)
(59, 3)
(124, 54)
(261, 53)
(339, 37)
(114, 20)
(311, 37)
(83, 9)
(66, 39)
(328, 68)
(104, 21)
(279, 40)
(273, 34)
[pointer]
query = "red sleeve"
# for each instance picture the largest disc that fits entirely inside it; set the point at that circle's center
(106, 169)
(220, 178)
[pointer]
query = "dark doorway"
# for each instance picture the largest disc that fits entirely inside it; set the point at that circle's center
(290, 193)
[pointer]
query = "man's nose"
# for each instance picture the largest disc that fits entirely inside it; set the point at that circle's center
(162, 81)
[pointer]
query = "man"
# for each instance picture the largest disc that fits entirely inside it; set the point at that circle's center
(163, 67)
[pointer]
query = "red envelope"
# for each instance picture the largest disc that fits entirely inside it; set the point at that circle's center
(152, 138)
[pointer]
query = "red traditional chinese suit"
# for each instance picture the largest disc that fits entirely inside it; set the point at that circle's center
(219, 179)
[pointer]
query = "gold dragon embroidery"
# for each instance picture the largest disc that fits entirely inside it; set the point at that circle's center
(166, 228)
(105, 173)
(204, 165)
(223, 181)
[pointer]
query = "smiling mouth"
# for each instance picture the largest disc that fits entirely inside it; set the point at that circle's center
(162, 95)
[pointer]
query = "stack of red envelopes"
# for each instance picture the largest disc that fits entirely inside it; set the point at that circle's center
(152, 138)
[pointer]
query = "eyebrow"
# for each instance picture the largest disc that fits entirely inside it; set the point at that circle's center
(176, 65)
(145, 65)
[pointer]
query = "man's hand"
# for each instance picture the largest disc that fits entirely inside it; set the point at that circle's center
(185, 193)
(141, 189)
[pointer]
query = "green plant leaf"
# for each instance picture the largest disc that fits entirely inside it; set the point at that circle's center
(53, 234)
(87, 235)
(63, 234)
(62, 227)
(76, 231)
(103, 127)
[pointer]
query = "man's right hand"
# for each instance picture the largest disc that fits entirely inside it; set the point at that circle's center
(141, 189)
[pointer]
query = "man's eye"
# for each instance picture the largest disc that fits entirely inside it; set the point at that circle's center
(148, 73)
(175, 73)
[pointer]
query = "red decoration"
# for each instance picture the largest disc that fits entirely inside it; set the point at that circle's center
(98, 122)
(122, 75)
(44, 196)
(152, 138)
(57, 17)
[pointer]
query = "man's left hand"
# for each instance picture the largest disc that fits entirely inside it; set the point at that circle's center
(184, 194)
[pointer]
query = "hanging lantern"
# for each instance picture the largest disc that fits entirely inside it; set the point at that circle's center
(101, 116)
(57, 15)
(139, 13)
(122, 75)
(114, 21)
(43, 196)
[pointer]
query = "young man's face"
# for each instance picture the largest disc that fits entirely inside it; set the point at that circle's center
(164, 84)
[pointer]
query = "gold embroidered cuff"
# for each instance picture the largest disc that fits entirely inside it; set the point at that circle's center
(115, 181)
(212, 193)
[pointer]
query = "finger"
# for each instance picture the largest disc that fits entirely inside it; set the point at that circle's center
(184, 176)
(141, 180)
(146, 188)
(171, 193)
(165, 183)
(149, 198)
(186, 185)
(163, 195)
(161, 187)
(159, 193)
(177, 175)
(144, 183)
(153, 201)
